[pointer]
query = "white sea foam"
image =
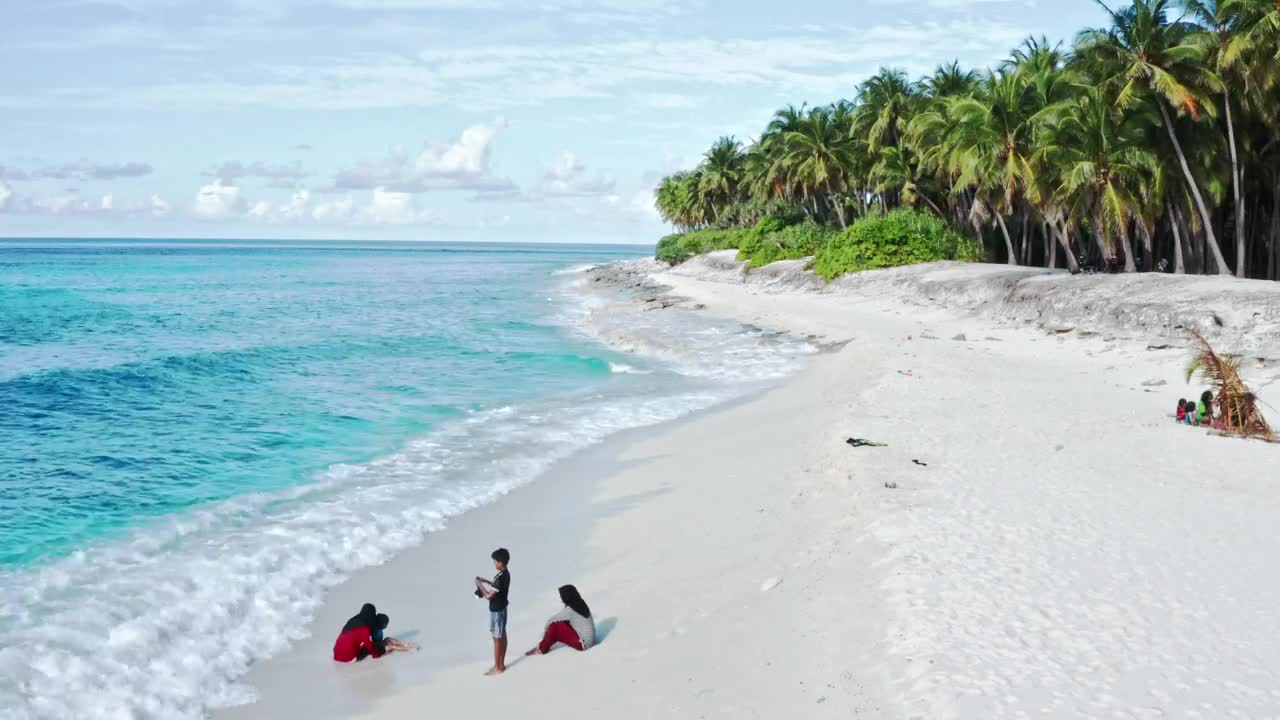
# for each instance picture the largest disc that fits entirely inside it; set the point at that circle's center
(576, 269)
(163, 622)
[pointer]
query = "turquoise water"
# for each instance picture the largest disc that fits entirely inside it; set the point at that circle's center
(198, 439)
(139, 380)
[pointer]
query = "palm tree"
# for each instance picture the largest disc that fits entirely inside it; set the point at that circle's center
(1104, 165)
(1152, 60)
(897, 170)
(817, 156)
(989, 143)
(1226, 37)
(721, 176)
(1146, 138)
(949, 80)
(885, 104)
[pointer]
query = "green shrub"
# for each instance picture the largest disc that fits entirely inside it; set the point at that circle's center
(901, 237)
(675, 249)
(789, 243)
(669, 250)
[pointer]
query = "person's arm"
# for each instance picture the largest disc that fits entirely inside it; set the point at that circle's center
(394, 645)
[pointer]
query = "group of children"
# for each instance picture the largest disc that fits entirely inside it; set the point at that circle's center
(574, 626)
(1192, 413)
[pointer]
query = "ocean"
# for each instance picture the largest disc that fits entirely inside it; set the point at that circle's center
(198, 437)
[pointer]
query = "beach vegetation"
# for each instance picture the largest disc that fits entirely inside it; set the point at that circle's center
(900, 237)
(1150, 143)
(1236, 409)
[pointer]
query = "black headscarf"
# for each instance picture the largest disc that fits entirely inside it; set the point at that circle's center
(368, 617)
(570, 597)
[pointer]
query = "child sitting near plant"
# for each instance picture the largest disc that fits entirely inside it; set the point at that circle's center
(1182, 410)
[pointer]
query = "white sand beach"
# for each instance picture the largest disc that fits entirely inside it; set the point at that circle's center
(1037, 539)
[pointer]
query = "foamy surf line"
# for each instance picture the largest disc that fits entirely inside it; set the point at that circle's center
(166, 621)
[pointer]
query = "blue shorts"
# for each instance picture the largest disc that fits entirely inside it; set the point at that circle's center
(498, 623)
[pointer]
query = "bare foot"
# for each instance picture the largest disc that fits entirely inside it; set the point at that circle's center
(495, 671)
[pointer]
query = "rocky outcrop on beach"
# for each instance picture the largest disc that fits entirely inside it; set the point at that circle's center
(1241, 317)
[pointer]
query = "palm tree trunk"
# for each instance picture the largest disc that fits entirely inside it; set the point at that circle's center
(1026, 239)
(1179, 267)
(1210, 237)
(1050, 247)
(941, 215)
(1072, 264)
(1008, 244)
(1273, 261)
(837, 204)
(1148, 253)
(1099, 238)
(1237, 179)
(1127, 247)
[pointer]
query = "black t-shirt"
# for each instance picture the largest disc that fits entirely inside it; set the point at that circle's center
(501, 583)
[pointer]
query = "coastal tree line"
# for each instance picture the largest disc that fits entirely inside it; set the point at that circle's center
(1151, 143)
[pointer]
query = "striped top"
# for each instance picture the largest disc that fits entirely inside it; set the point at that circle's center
(584, 626)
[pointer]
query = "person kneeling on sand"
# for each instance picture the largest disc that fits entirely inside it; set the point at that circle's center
(572, 626)
(361, 637)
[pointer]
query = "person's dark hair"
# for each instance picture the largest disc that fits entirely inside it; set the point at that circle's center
(1182, 404)
(501, 555)
(1206, 397)
(570, 597)
(381, 621)
(365, 618)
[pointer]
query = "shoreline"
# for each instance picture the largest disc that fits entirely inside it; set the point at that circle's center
(1006, 553)
(413, 588)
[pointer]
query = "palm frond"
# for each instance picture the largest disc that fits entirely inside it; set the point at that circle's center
(1234, 404)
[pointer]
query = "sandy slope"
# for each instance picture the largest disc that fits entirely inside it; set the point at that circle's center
(1064, 551)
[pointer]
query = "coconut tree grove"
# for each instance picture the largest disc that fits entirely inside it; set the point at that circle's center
(1152, 143)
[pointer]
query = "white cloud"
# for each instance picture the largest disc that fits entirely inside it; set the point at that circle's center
(636, 208)
(392, 208)
(467, 157)
(158, 207)
(79, 170)
(671, 101)
(502, 75)
(218, 201)
(463, 164)
(569, 177)
(340, 210)
(276, 174)
(86, 170)
(63, 204)
(293, 210)
(6, 195)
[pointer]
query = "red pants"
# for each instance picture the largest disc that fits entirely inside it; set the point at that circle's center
(561, 632)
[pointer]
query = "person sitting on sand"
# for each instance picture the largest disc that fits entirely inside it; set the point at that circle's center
(1182, 410)
(355, 641)
(362, 637)
(1204, 411)
(572, 626)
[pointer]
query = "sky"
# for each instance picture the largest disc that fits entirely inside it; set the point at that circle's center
(453, 120)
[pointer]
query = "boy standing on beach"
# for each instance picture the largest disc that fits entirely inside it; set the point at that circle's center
(496, 592)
